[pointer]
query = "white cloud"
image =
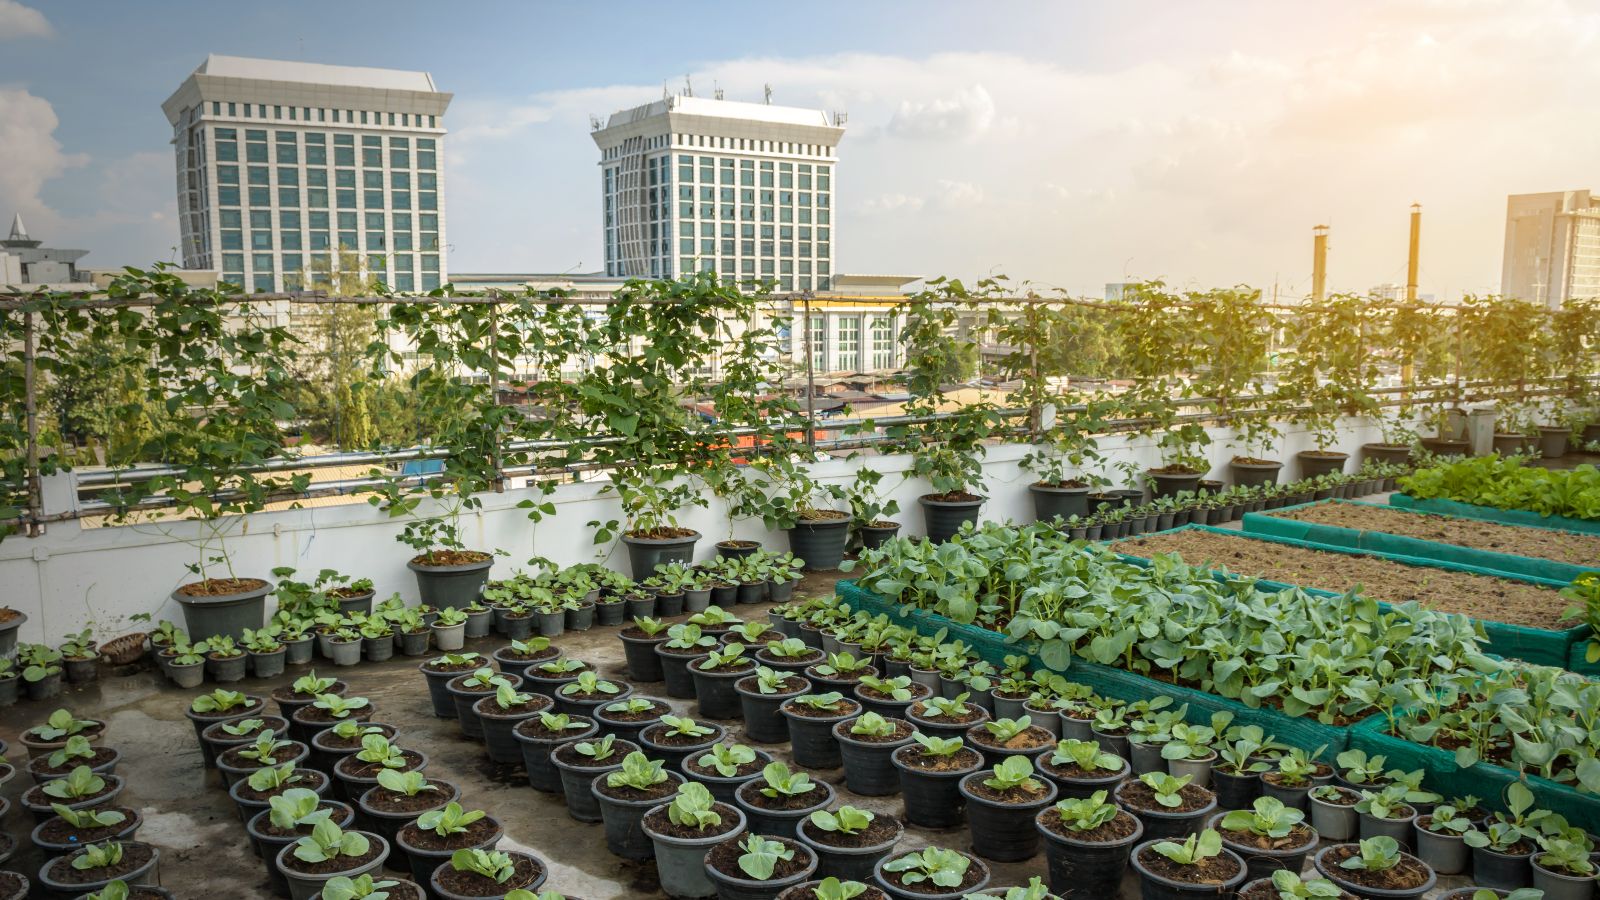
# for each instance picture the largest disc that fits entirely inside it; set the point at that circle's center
(33, 155)
(964, 115)
(959, 194)
(18, 21)
(891, 203)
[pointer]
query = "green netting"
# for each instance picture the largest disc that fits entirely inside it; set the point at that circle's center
(1535, 645)
(1270, 523)
(1578, 661)
(1481, 780)
(1491, 514)
(1111, 682)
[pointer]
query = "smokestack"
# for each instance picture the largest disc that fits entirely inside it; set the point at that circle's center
(1415, 260)
(1319, 262)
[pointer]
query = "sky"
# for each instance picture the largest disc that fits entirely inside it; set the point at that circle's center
(1064, 144)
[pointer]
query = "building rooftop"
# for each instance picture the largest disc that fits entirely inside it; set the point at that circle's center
(723, 109)
(315, 73)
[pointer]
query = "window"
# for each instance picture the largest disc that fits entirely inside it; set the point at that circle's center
(372, 199)
(427, 200)
(233, 240)
(260, 196)
(401, 180)
(882, 343)
(255, 153)
(344, 156)
(400, 199)
(289, 240)
(317, 177)
(430, 262)
(819, 336)
(261, 240)
(402, 240)
(289, 176)
(288, 196)
(347, 199)
(317, 198)
(372, 179)
(230, 218)
(399, 158)
(257, 175)
(849, 343)
(233, 262)
(261, 262)
(260, 219)
(227, 151)
(288, 154)
(372, 157)
(227, 174)
(319, 240)
(375, 240)
(345, 178)
(263, 284)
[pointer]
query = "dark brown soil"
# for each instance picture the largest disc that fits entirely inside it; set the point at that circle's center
(384, 800)
(133, 857)
(1064, 483)
(272, 724)
(974, 713)
(431, 841)
(843, 707)
(1276, 779)
(568, 753)
(7, 614)
(534, 728)
(822, 515)
(10, 882)
(789, 686)
(221, 587)
(843, 676)
(969, 881)
(744, 771)
(538, 656)
(250, 707)
(1118, 828)
(1073, 770)
(661, 823)
(37, 797)
(313, 715)
(954, 497)
(327, 740)
(331, 866)
(57, 831)
(1268, 892)
(1408, 873)
(471, 665)
(339, 810)
(307, 778)
(1021, 795)
(1215, 870)
(289, 693)
(1253, 461)
(667, 534)
(682, 651)
(750, 792)
(450, 557)
(1139, 795)
(1478, 596)
(636, 633)
(881, 830)
(41, 764)
(919, 691)
(1299, 836)
(234, 760)
(1346, 797)
(958, 761)
(630, 794)
(1029, 738)
(901, 732)
(1537, 543)
(459, 683)
(351, 767)
(657, 734)
(725, 857)
(657, 710)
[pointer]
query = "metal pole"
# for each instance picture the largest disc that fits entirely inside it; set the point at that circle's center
(494, 383)
(29, 389)
(811, 378)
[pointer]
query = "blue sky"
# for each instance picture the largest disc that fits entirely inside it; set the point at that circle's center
(1066, 143)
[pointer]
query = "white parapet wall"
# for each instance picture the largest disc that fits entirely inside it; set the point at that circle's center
(106, 575)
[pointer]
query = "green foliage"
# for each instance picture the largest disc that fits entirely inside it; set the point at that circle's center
(1376, 855)
(97, 856)
(761, 856)
(693, 807)
(935, 865)
(1507, 484)
(1086, 813)
(328, 841)
(1196, 848)
(638, 771)
(452, 819)
(847, 820)
(780, 781)
(1011, 773)
(491, 864)
(726, 759)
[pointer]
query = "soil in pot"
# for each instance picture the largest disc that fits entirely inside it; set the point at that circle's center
(1073, 782)
(1214, 875)
(625, 723)
(763, 720)
(1263, 854)
(851, 857)
(723, 860)
(1166, 822)
(56, 835)
(1032, 741)
(428, 849)
(1002, 821)
(680, 850)
(538, 742)
(578, 773)
(811, 739)
(1410, 874)
(622, 808)
(135, 856)
(931, 784)
(528, 873)
(723, 786)
(779, 816)
(974, 879)
(945, 726)
(1088, 863)
(867, 770)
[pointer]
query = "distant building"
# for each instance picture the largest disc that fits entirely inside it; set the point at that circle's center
(1552, 251)
(285, 167)
(742, 189)
(26, 263)
(1117, 291)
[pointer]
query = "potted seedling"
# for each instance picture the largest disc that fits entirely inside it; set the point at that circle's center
(466, 690)
(1286, 885)
(1236, 776)
(789, 655)
(776, 802)
(849, 842)
(757, 867)
(218, 706)
(517, 657)
(331, 744)
(1002, 804)
(304, 691)
(41, 670)
(1333, 812)
(1440, 839)
(714, 675)
(933, 872)
(1168, 806)
(10, 684)
(1088, 842)
(812, 718)
(399, 797)
(437, 835)
(1375, 867)
(588, 692)
(682, 832)
(499, 715)
(450, 628)
(440, 671)
(639, 642)
(1563, 866)
(685, 642)
(224, 736)
(70, 828)
(358, 771)
(725, 767)
(267, 751)
(676, 738)
(1268, 836)
(946, 716)
(1110, 727)
(80, 657)
(486, 873)
(579, 763)
(1502, 850)
(840, 672)
(266, 653)
(1292, 781)
(1010, 737)
(866, 744)
(627, 717)
(539, 736)
(1385, 813)
(625, 795)
(327, 711)
(1081, 769)
(92, 867)
(889, 697)
(76, 752)
(1197, 866)
(254, 794)
(363, 887)
(288, 817)
(761, 698)
(870, 512)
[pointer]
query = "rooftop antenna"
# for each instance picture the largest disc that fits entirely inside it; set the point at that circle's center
(716, 90)
(840, 117)
(665, 94)
(766, 90)
(688, 86)
(594, 122)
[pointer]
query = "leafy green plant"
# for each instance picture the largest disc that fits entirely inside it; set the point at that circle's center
(1168, 789)
(935, 865)
(362, 887)
(870, 724)
(727, 759)
(1086, 813)
(1194, 849)
(683, 726)
(86, 819)
(328, 841)
(78, 784)
(639, 772)
(1290, 886)
(761, 856)
(451, 819)
(97, 856)
(831, 888)
(780, 781)
(491, 864)
(847, 820)
(1268, 817)
(1012, 773)
(407, 783)
(599, 750)
(1376, 854)
(694, 807)
(1004, 730)
(937, 746)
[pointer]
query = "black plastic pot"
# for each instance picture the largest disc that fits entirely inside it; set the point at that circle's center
(1501, 870)
(681, 861)
(1314, 463)
(610, 613)
(1335, 874)
(846, 863)
(780, 823)
(811, 741)
(587, 706)
(1078, 787)
(1260, 863)
(1078, 868)
(731, 887)
(874, 535)
(1004, 832)
(723, 787)
(763, 716)
(425, 862)
(888, 708)
(1387, 453)
(867, 767)
(881, 879)
(55, 886)
(228, 614)
(1235, 791)
(674, 756)
(388, 824)
(943, 518)
(542, 772)
(498, 724)
(644, 554)
(464, 700)
(1166, 826)
(624, 836)
(1050, 502)
(444, 706)
(268, 846)
(453, 586)
(820, 543)
(628, 729)
(933, 798)
(714, 688)
(1251, 474)
(1155, 887)
(675, 672)
(576, 779)
(1167, 484)
(1553, 441)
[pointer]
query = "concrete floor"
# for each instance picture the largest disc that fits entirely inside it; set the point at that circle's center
(190, 818)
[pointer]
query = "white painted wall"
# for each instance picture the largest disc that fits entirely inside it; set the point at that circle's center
(104, 575)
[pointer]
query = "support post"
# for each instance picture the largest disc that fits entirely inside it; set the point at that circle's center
(811, 376)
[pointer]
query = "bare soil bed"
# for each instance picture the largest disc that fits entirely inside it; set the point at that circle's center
(1535, 543)
(1478, 596)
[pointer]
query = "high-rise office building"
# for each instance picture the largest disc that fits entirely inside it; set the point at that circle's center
(742, 189)
(289, 171)
(1552, 250)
